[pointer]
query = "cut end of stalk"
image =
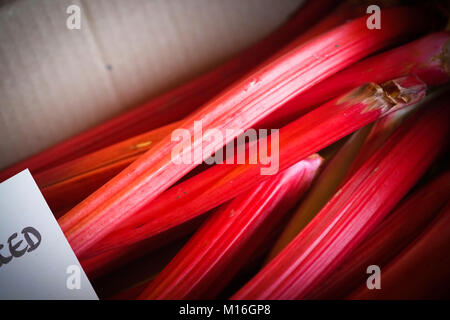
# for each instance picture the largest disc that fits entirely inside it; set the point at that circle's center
(389, 96)
(403, 91)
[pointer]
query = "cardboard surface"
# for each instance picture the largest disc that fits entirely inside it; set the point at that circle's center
(56, 82)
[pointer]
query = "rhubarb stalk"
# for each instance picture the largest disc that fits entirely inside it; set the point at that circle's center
(381, 131)
(228, 240)
(322, 190)
(310, 133)
(66, 185)
(421, 270)
(430, 62)
(386, 126)
(101, 264)
(186, 201)
(240, 106)
(354, 211)
(398, 230)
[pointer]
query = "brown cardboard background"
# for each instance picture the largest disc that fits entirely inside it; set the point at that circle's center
(56, 82)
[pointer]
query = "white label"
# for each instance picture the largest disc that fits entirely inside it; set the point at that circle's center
(36, 261)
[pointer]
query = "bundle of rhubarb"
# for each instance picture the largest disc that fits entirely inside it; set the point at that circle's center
(313, 165)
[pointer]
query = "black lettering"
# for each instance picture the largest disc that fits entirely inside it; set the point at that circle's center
(26, 233)
(13, 249)
(4, 260)
(33, 239)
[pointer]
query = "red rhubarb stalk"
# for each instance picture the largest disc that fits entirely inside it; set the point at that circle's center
(186, 201)
(430, 62)
(131, 293)
(421, 270)
(381, 131)
(385, 127)
(82, 176)
(228, 240)
(241, 106)
(66, 185)
(390, 237)
(108, 261)
(354, 211)
(140, 271)
(322, 190)
(310, 133)
(178, 103)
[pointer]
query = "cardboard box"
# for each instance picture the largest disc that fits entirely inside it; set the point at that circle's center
(56, 82)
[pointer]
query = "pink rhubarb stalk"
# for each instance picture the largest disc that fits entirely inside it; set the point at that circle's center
(186, 201)
(66, 185)
(430, 61)
(354, 211)
(398, 230)
(101, 264)
(421, 270)
(322, 189)
(229, 239)
(297, 140)
(241, 106)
